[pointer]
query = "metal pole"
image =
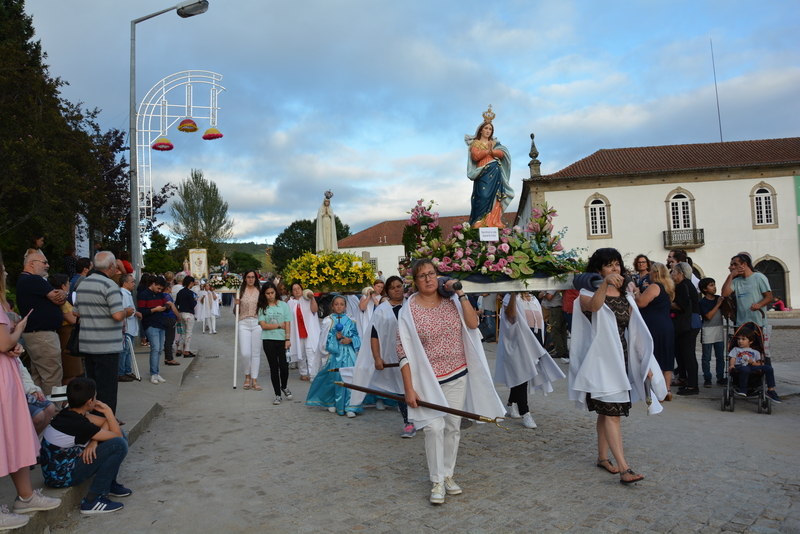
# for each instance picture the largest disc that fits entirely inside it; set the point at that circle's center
(136, 241)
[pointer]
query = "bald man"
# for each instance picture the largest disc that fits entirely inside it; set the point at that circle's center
(44, 302)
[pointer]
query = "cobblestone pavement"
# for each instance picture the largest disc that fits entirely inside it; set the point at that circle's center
(227, 460)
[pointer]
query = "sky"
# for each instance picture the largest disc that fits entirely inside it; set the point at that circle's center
(371, 99)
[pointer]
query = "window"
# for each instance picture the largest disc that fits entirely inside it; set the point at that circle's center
(763, 206)
(598, 217)
(680, 212)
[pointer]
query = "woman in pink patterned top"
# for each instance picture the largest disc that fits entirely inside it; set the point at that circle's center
(438, 347)
(249, 329)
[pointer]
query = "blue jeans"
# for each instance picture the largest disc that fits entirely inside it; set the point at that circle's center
(105, 467)
(719, 353)
(156, 338)
(125, 357)
(745, 370)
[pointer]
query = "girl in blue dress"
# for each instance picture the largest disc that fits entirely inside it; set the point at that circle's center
(342, 342)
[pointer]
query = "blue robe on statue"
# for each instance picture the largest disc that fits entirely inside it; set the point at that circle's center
(323, 391)
(490, 183)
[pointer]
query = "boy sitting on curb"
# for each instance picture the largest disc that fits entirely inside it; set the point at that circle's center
(77, 445)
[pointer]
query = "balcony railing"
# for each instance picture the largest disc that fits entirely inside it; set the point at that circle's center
(688, 238)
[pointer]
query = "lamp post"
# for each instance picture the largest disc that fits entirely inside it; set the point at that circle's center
(186, 9)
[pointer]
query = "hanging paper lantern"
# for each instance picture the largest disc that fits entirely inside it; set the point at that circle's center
(163, 144)
(187, 125)
(211, 133)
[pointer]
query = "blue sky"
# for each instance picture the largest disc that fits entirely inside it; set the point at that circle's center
(372, 99)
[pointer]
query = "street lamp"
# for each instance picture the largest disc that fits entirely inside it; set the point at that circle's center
(186, 9)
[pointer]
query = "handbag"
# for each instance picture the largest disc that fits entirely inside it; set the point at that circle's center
(72, 343)
(697, 321)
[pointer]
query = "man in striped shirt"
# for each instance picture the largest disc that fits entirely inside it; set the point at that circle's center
(98, 302)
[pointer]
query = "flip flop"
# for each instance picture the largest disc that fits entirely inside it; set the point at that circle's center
(171, 362)
(610, 466)
(630, 472)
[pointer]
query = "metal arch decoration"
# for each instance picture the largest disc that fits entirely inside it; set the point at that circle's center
(156, 115)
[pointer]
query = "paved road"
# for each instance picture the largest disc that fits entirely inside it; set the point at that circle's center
(224, 460)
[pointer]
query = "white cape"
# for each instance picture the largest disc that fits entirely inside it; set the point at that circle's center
(365, 374)
(520, 356)
(481, 397)
(311, 321)
(597, 363)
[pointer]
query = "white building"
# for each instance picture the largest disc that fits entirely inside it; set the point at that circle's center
(714, 200)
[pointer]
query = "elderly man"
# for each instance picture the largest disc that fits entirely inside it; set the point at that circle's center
(99, 303)
(43, 302)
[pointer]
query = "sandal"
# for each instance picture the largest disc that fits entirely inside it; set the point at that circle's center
(171, 362)
(630, 472)
(246, 383)
(178, 353)
(256, 386)
(609, 468)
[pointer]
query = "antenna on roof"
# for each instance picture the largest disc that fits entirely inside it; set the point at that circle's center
(714, 68)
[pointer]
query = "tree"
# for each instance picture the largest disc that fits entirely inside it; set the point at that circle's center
(200, 216)
(240, 262)
(157, 258)
(301, 237)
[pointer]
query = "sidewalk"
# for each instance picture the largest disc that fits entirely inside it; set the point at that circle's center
(137, 404)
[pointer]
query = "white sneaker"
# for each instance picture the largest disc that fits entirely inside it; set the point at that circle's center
(451, 487)
(350, 414)
(437, 493)
(332, 409)
(277, 400)
(564, 360)
(37, 502)
(379, 405)
(513, 411)
(158, 377)
(9, 521)
(527, 421)
(154, 379)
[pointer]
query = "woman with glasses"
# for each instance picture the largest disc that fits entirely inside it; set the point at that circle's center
(249, 329)
(438, 346)
(641, 275)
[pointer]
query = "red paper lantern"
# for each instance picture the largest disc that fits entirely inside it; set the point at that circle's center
(163, 144)
(212, 133)
(187, 125)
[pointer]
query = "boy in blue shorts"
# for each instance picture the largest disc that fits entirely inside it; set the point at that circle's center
(78, 445)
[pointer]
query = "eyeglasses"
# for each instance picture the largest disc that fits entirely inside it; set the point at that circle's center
(43, 261)
(427, 276)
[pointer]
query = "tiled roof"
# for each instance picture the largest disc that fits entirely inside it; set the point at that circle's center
(672, 158)
(391, 232)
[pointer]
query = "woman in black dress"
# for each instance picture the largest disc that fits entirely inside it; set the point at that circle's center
(654, 303)
(686, 303)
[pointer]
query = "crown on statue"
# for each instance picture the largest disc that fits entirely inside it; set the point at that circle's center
(328, 194)
(488, 116)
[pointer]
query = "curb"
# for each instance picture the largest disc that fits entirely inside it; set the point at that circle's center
(71, 497)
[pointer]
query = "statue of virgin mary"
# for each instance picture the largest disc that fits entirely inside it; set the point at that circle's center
(489, 168)
(326, 226)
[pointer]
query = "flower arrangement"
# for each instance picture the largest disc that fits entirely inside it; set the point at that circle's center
(518, 254)
(422, 226)
(228, 281)
(328, 272)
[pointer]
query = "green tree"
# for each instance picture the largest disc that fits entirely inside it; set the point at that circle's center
(240, 262)
(300, 237)
(49, 172)
(200, 215)
(157, 258)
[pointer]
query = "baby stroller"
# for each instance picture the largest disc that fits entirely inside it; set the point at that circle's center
(757, 383)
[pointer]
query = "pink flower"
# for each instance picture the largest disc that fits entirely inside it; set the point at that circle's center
(508, 271)
(431, 226)
(487, 263)
(465, 266)
(419, 202)
(548, 228)
(446, 260)
(435, 261)
(558, 247)
(459, 254)
(491, 249)
(536, 213)
(504, 240)
(506, 231)
(456, 267)
(532, 227)
(504, 247)
(468, 251)
(517, 230)
(502, 262)
(457, 228)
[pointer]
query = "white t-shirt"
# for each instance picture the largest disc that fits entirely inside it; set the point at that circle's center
(744, 356)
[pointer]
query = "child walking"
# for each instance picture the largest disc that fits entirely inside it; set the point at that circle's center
(745, 360)
(209, 300)
(712, 336)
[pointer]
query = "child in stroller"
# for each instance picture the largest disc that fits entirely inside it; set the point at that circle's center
(745, 359)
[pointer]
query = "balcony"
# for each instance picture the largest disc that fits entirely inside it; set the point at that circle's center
(688, 238)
